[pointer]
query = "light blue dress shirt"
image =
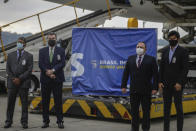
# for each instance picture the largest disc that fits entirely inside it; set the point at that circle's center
(18, 53)
(171, 53)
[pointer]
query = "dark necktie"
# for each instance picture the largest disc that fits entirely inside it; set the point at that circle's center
(139, 61)
(19, 56)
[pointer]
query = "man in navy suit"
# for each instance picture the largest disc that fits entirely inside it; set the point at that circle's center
(51, 64)
(143, 72)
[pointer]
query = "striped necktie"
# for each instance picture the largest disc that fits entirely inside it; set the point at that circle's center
(139, 61)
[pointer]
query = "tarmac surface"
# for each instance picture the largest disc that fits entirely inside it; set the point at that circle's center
(79, 124)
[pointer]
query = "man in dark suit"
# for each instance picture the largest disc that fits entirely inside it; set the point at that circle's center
(19, 69)
(143, 72)
(172, 78)
(51, 64)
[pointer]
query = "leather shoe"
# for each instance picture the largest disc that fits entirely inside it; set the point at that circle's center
(134, 129)
(7, 125)
(45, 125)
(60, 125)
(24, 125)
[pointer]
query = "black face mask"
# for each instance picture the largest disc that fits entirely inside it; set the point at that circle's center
(173, 42)
(51, 43)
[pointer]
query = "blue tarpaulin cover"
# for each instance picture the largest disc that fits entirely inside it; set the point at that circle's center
(99, 56)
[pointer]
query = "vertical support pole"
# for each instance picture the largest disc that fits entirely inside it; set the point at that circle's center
(76, 14)
(109, 12)
(43, 37)
(2, 45)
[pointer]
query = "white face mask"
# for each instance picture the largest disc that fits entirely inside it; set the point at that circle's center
(139, 51)
(20, 46)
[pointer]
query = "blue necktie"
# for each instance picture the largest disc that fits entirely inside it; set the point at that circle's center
(19, 56)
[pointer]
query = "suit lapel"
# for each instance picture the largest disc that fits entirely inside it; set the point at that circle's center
(48, 54)
(135, 63)
(143, 61)
(167, 55)
(15, 59)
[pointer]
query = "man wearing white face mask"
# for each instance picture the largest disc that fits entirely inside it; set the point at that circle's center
(143, 72)
(19, 69)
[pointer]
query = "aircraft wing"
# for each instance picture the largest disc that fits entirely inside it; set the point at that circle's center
(148, 10)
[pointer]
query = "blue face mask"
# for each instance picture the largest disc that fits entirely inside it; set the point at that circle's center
(20, 46)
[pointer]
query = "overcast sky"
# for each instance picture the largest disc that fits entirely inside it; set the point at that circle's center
(13, 10)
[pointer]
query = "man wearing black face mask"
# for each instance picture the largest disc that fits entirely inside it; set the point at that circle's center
(51, 63)
(172, 78)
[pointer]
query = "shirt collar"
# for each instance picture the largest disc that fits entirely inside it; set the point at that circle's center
(142, 56)
(174, 48)
(51, 48)
(21, 52)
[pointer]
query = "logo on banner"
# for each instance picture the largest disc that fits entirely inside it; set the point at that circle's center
(77, 65)
(94, 63)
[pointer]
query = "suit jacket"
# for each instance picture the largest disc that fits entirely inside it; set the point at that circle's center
(22, 69)
(175, 71)
(58, 63)
(142, 79)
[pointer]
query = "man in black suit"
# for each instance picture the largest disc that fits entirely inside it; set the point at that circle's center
(51, 64)
(172, 78)
(143, 72)
(19, 69)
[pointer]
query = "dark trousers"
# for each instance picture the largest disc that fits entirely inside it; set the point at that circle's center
(145, 100)
(168, 93)
(56, 89)
(12, 94)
